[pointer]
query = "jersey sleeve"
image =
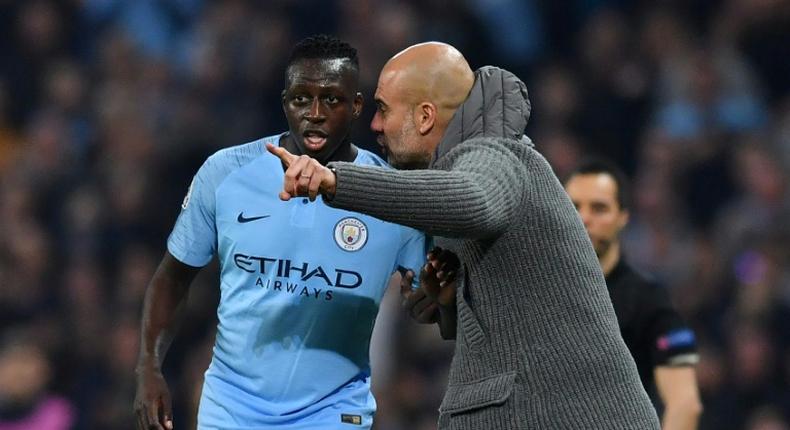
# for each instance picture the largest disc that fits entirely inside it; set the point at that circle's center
(412, 253)
(193, 239)
(672, 342)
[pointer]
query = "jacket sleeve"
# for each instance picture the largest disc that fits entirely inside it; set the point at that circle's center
(477, 196)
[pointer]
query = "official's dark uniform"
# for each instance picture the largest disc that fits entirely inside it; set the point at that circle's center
(654, 332)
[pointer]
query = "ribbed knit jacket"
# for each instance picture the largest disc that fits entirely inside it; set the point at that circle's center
(537, 344)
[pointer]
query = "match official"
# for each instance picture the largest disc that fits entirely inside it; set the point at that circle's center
(662, 344)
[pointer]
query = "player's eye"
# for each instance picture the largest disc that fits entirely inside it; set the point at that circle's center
(332, 99)
(300, 99)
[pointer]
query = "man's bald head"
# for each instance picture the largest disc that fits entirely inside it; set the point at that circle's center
(419, 90)
(431, 71)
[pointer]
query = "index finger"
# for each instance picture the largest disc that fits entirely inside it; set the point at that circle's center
(286, 157)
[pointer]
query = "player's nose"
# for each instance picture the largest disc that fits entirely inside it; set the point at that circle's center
(315, 113)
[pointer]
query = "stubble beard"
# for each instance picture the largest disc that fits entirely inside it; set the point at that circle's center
(409, 160)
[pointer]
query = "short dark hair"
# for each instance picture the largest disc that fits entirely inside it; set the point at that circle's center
(324, 47)
(595, 166)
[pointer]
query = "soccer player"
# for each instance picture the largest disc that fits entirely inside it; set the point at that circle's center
(300, 282)
(662, 345)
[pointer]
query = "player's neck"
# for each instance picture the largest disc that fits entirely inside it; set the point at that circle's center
(345, 152)
(610, 259)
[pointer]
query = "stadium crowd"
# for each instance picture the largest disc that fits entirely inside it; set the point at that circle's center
(107, 108)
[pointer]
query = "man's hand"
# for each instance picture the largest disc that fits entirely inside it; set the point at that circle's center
(437, 277)
(152, 404)
(437, 287)
(304, 175)
(419, 306)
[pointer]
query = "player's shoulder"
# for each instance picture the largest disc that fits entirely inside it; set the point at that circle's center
(228, 159)
(368, 158)
(239, 155)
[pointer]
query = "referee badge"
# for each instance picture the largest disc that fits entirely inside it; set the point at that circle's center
(351, 234)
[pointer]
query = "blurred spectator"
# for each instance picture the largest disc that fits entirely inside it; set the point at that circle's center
(25, 401)
(767, 419)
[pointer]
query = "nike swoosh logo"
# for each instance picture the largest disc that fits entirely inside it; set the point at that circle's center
(242, 219)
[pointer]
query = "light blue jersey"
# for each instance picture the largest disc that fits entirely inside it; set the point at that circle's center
(301, 285)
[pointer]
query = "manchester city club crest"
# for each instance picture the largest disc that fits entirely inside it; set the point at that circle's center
(351, 234)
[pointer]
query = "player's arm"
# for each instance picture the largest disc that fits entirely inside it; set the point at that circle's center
(477, 198)
(164, 303)
(677, 387)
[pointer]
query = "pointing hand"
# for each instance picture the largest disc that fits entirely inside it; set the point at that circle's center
(304, 176)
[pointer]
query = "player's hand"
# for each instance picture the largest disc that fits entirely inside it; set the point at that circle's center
(152, 404)
(437, 277)
(437, 286)
(419, 306)
(304, 175)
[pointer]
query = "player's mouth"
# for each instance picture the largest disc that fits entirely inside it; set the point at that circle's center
(314, 140)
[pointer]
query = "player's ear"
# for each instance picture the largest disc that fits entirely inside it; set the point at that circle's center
(624, 216)
(357, 105)
(425, 117)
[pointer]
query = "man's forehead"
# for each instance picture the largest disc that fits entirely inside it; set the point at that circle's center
(322, 80)
(323, 71)
(592, 185)
(379, 95)
(598, 178)
(602, 180)
(321, 66)
(387, 85)
(388, 78)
